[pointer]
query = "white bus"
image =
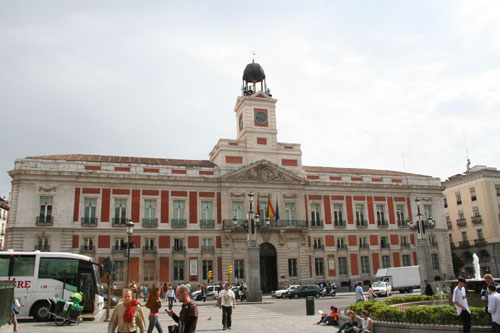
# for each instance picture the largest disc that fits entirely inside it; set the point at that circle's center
(43, 275)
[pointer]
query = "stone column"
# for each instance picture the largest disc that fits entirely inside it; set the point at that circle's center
(425, 263)
(254, 293)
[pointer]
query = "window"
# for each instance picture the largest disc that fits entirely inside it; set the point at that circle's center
(342, 266)
(341, 243)
(178, 244)
(60, 269)
(239, 269)
(461, 215)
(480, 234)
(400, 214)
(406, 260)
(45, 215)
(404, 241)
(318, 243)
(497, 190)
(363, 242)
(179, 270)
(450, 237)
(365, 265)
(381, 215)
(427, 212)
(315, 214)
(238, 210)
(206, 265)
(289, 211)
(262, 211)
(89, 211)
(432, 241)
(445, 203)
(149, 271)
(464, 236)
(149, 209)
(206, 210)
(206, 244)
(120, 244)
(448, 220)
(360, 215)
(386, 261)
(43, 244)
(178, 212)
(473, 196)
(337, 215)
(22, 265)
(475, 212)
(458, 196)
(119, 270)
(319, 265)
(435, 261)
(292, 268)
(88, 244)
(120, 211)
(149, 244)
(384, 243)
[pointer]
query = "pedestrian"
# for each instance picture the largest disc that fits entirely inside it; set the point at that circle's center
(227, 303)
(428, 289)
(170, 296)
(494, 308)
(488, 280)
(188, 317)
(154, 305)
(366, 324)
(133, 288)
(460, 301)
(15, 312)
(359, 292)
(164, 291)
(371, 293)
(351, 323)
(127, 316)
(204, 291)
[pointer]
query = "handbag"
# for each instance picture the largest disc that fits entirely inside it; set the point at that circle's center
(173, 329)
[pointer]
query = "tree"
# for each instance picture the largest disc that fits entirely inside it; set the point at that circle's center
(457, 264)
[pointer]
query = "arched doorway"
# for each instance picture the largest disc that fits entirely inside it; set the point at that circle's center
(268, 268)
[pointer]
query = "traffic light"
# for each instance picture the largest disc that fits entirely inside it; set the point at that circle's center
(209, 274)
(230, 269)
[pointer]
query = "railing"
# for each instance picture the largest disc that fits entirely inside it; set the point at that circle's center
(382, 223)
(43, 248)
(149, 222)
(339, 223)
(462, 222)
(464, 245)
(44, 220)
(149, 249)
(361, 223)
(316, 224)
(477, 219)
(385, 246)
(480, 242)
(319, 247)
(87, 248)
(207, 248)
(402, 224)
(342, 246)
(178, 223)
(241, 224)
(405, 244)
(207, 223)
(364, 246)
(89, 221)
(119, 222)
(179, 249)
(119, 248)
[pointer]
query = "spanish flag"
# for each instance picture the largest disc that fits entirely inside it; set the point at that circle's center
(270, 210)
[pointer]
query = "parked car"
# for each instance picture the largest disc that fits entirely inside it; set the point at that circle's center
(283, 293)
(211, 293)
(381, 288)
(113, 300)
(305, 290)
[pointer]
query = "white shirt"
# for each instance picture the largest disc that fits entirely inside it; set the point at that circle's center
(365, 322)
(460, 297)
(227, 297)
(494, 307)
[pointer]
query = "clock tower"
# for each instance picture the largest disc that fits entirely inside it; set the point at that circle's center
(255, 112)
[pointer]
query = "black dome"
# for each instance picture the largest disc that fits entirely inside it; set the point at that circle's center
(253, 73)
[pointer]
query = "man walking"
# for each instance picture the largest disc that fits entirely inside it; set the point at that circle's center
(428, 289)
(227, 302)
(359, 292)
(127, 316)
(188, 317)
(460, 301)
(494, 308)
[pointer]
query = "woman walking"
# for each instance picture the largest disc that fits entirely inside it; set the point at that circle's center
(154, 305)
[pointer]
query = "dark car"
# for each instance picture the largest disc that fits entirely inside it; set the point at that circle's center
(305, 290)
(113, 301)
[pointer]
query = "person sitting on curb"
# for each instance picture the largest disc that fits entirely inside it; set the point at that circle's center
(331, 318)
(351, 323)
(366, 324)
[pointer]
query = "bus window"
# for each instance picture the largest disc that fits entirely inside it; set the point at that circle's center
(23, 265)
(64, 270)
(4, 265)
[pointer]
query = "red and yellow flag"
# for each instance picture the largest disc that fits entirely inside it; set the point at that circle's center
(270, 210)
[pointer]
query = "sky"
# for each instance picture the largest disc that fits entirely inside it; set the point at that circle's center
(395, 85)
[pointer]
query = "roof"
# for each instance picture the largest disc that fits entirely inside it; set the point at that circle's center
(125, 159)
(358, 171)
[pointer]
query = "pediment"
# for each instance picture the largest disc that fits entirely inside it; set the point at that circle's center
(264, 171)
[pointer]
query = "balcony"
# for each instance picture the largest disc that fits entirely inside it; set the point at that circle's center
(361, 223)
(148, 222)
(89, 221)
(364, 246)
(149, 249)
(405, 245)
(480, 242)
(119, 222)
(207, 248)
(402, 224)
(448, 224)
(319, 247)
(342, 246)
(179, 249)
(339, 223)
(385, 246)
(382, 224)
(463, 245)
(178, 223)
(119, 248)
(207, 223)
(461, 222)
(477, 219)
(43, 248)
(44, 220)
(87, 248)
(316, 224)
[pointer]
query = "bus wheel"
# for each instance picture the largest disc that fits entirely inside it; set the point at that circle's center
(40, 311)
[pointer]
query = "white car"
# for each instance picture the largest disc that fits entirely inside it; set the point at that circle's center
(212, 293)
(382, 288)
(282, 293)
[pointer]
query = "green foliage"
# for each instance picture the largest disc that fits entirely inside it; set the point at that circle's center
(426, 314)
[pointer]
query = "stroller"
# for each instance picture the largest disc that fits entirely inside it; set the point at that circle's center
(67, 312)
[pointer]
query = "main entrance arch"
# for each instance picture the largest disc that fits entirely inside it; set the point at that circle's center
(268, 268)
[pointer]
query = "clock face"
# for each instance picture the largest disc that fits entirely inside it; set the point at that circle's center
(261, 117)
(241, 121)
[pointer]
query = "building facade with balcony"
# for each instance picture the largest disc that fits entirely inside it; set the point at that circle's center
(472, 208)
(335, 224)
(4, 216)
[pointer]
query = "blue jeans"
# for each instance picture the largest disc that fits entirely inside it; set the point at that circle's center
(329, 321)
(154, 322)
(495, 327)
(170, 303)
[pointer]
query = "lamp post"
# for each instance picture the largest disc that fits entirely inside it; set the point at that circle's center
(421, 225)
(130, 231)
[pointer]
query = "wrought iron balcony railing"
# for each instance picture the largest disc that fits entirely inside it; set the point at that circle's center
(361, 223)
(462, 222)
(382, 224)
(364, 246)
(402, 224)
(477, 219)
(464, 245)
(242, 224)
(178, 223)
(339, 223)
(89, 221)
(316, 224)
(149, 249)
(207, 223)
(179, 248)
(44, 220)
(405, 244)
(119, 248)
(207, 248)
(385, 246)
(319, 247)
(148, 222)
(342, 246)
(480, 242)
(87, 248)
(119, 221)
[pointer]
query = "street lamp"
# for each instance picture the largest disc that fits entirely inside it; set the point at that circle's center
(130, 231)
